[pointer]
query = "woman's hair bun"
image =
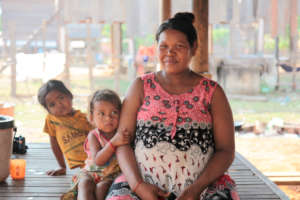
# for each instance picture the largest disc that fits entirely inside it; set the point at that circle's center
(186, 16)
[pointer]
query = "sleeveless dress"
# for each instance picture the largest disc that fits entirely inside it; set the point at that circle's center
(174, 137)
(109, 171)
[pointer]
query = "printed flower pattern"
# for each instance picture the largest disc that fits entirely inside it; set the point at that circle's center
(174, 134)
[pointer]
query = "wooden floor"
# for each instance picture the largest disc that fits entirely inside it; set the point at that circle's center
(251, 184)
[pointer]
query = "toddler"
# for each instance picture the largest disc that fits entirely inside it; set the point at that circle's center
(101, 166)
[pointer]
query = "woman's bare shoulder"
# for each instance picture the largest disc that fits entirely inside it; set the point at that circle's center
(136, 89)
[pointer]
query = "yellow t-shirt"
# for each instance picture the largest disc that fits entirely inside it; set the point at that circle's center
(70, 132)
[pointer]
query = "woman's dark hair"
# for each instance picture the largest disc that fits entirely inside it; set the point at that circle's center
(104, 95)
(182, 22)
(50, 86)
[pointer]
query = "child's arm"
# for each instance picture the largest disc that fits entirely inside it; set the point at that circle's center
(59, 157)
(100, 154)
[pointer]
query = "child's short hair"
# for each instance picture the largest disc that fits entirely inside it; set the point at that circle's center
(50, 86)
(104, 95)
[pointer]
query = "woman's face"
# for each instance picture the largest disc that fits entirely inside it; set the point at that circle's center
(58, 104)
(174, 51)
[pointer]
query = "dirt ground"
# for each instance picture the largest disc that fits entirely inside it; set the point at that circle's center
(273, 154)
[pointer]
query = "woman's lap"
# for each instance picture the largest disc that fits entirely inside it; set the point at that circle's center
(224, 187)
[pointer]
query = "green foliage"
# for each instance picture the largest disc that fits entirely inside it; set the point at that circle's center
(221, 35)
(269, 42)
(106, 30)
(147, 40)
(264, 111)
(284, 43)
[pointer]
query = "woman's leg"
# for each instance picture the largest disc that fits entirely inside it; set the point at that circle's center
(86, 187)
(102, 189)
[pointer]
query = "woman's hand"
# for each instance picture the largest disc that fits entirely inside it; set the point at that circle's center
(56, 172)
(150, 192)
(121, 138)
(190, 193)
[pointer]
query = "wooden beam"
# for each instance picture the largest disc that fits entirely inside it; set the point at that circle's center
(12, 37)
(293, 39)
(274, 18)
(200, 60)
(67, 55)
(116, 44)
(44, 30)
(235, 43)
(165, 10)
(89, 53)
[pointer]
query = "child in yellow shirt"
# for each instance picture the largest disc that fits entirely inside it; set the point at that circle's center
(67, 128)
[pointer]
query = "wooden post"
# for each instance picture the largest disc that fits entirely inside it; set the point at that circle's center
(200, 60)
(260, 37)
(210, 40)
(293, 40)
(274, 33)
(165, 10)
(116, 42)
(235, 32)
(277, 62)
(274, 18)
(58, 7)
(44, 27)
(89, 53)
(12, 36)
(67, 55)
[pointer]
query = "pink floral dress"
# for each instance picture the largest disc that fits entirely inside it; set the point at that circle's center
(174, 137)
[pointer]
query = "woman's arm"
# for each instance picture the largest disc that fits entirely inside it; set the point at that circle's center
(224, 146)
(125, 154)
(59, 157)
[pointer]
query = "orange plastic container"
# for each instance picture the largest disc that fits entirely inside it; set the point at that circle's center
(17, 169)
(7, 109)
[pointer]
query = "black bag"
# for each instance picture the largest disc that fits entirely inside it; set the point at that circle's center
(19, 144)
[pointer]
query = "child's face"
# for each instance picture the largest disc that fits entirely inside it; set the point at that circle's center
(105, 116)
(58, 104)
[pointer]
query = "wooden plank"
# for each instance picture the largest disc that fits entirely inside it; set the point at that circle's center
(269, 183)
(37, 185)
(34, 198)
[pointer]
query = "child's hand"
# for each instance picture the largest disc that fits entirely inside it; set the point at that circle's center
(56, 172)
(121, 138)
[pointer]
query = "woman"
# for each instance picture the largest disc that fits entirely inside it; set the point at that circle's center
(182, 127)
